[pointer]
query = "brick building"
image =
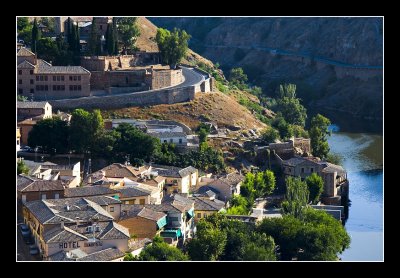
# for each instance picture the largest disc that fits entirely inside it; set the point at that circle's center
(40, 80)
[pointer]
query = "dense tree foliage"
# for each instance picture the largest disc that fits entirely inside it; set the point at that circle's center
(84, 129)
(296, 198)
(49, 22)
(47, 49)
(318, 236)
(219, 238)
(290, 107)
(318, 135)
(22, 168)
(36, 34)
(315, 186)
(110, 39)
(172, 45)
(238, 78)
(94, 40)
(128, 32)
(270, 135)
(51, 135)
(159, 251)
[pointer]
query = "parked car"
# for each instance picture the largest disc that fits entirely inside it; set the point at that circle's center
(29, 240)
(34, 250)
(25, 231)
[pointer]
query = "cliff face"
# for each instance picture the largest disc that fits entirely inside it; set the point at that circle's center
(335, 62)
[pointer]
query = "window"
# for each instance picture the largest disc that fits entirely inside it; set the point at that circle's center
(75, 78)
(199, 215)
(54, 78)
(70, 78)
(290, 170)
(20, 81)
(111, 209)
(142, 201)
(45, 78)
(46, 87)
(62, 78)
(101, 27)
(31, 81)
(20, 91)
(126, 202)
(19, 72)
(17, 141)
(70, 87)
(32, 91)
(180, 141)
(43, 196)
(79, 87)
(37, 77)
(31, 71)
(58, 78)
(41, 78)
(79, 78)
(56, 196)
(311, 170)
(54, 88)
(302, 170)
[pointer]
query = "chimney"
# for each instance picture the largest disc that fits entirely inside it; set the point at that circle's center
(90, 179)
(77, 221)
(62, 223)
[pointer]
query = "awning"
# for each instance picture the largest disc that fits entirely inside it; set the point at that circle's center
(190, 213)
(116, 197)
(171, 233)
(162, 222)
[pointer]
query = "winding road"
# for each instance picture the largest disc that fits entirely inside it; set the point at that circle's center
(303, 54)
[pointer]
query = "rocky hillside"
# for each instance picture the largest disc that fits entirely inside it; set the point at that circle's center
(318, 54)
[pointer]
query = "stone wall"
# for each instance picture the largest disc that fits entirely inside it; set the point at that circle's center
(165, 78)
(167, 96)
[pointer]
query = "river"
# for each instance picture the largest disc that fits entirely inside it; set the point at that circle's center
(362, 155)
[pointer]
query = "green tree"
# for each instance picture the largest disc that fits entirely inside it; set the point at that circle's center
(287, 90)
(284, 128)
(315, 186)
(247, 188)
(270, 135)
(209, 243)
(161, 251)
(22, 23)
(115, 35)
(36, 34)
(22, 98)
(110, 43)
(128, 32)
(84, 129)
(334, 158)
(296, 198)
(22, 168)
(237, 77)
(104, 144)
(269, 181)
(47, 49)
(173, 45)
(203, 135)
(292, 110)
(51, 134)
(318, 135)
(94, 39)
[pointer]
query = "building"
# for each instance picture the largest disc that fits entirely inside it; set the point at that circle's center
(334, 176)
(39, 80)
(134, 195)
(178, 138)
(110, 254)
(29, 189)
(89, 191)
(142, 222)
(18, 139)
(62, 224)
(204, 206)
(31, 109)
(180, 214)
(69, 173)
(177, 180)
(225, 187)
(25, 127)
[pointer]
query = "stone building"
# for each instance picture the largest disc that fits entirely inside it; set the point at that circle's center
(40, 80)
(30, 109)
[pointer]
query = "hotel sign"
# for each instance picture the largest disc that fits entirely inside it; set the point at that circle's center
(65, 245)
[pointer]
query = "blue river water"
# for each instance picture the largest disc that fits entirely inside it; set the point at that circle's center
(362, 155)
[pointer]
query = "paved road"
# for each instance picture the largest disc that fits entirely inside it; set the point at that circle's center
(23, 249)
(299, 54)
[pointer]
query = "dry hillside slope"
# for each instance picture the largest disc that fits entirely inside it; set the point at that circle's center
(213, 107)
